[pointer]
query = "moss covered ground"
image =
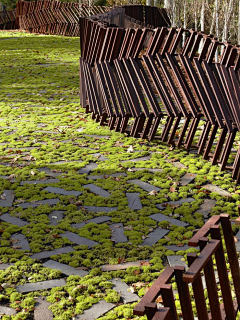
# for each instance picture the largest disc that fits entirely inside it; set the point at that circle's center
(42, 123)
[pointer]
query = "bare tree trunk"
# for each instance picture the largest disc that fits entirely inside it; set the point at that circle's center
(239, 22)
(185, 20)
(213, 18)
(196, 14)
(217, 27)
(202, 21)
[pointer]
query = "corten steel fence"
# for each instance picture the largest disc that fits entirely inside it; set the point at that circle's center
(135, 74)
(216, 295)
(53, 17)
(7, 19)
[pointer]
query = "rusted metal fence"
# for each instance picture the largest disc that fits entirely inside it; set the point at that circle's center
(7, 19)
(135, 73)
(216, 295)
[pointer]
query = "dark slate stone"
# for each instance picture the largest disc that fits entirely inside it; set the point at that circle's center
(174, 203)
(50, 202)
(100, 209)
(176, 261)
(138, 159)
(161, 217)
(102, 176)
(118, 233)
(48, 254)
(64, 162)
(144, 185)
(7, 311)
(4, 266)
(49, 172)
(47, 131)
(42, 285)
(18, 222)
(62, 191)
(118, 174)
(96, 136)
(217, 189)
(148, 169)
(176, 248)
(134, 202)
(88, 168)
(178, 165)
(187, 178)
(47, 181)
(55, 217)
(121, 266)
(97, 220)
(97, 310)
(123, 290)
(97, 190)
(154, 236)
(9, 197)
(75, 238)
(22, 242)
(206, 207)
(41, 311)
(64, 268)
(105, 176)
(99, 156)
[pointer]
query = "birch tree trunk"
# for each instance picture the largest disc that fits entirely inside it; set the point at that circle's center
(185, 21)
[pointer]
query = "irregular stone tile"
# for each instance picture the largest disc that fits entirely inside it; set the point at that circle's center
(99, 156)
(96, 136)
(100, 209)
(7, 311)
(178, 165)
(22, 183)
(9, 197)
(121, 266)
(134, 202)
(62, 191)
(176, 248)
(22, 242)
(14, 220)
(187, 178)
(138, 159)
(49, 172)
(88, 168)
(64, 268)
(105, 176)
(161, 217)
(96, 177)
(144, 185)
(4, 266)
(118, 233)
(48, 254)
(50, 202)
(177, 203)
(123, 290)
(148, 169)
(41, 285)
(176, 261)
(47, 131)
(154, 236)
(41, 311)
(206, 207)
(217, 189)
(97, 190)
(55, 217)
(75, 238)
(64, 162)
(97, 310)
(97, 220)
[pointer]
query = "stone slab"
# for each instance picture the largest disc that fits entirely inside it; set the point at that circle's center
(101, 176)
(206, 207)
(49, 172)
(4, 266)
(148, 169)
(177, 203)
(118, 233)
(99, 156)
(138, 159)
(176, 261)
(88, 168)
(212, 188)
(55, 217)
(144, 185)
(48, 254)
(121, 266)
(50, 202)
(75, 238)
(154, 236)
(64, 162)
(134, 202)
(41, 311)
(176, 248)
(178, 165)
(64, 268)
(97, 220)
(187, 178)
(123, 290)
(63, 191)
(97, 310)
(7, 311)
(100, 209)
(47, 181)
(105, 176)
(22, 242)
(97, 190)
(161, 217)
(41, 285)
(16, 221)
(96, 136)
(9, 197)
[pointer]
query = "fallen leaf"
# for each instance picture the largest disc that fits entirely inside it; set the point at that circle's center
(153, 193)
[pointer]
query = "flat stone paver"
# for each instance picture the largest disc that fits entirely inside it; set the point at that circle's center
(75, 238)
(50, 202)
(161, 217)
(97, 220)
(97, 310)
(148, 169)
(64, 268)
(134, 202)
(176, 261)
(41, 285)
(118, 233)
(7, 311)
(206, 207)
(14, 220)
(22, 242)
(99, 156)
(7, 198)
(154, 236)
(178, 165)
(63, 191)
(88, 168)
(100, 209)
(144, 185)
(176, 248)
(138, 159)
(121, 266)
(47, 181)
(212, 188)
(123, 290)
(105, 176)
(64, 162)
(96, 136)
(176, 204)
(48, 254)
(97, 190)
(41, 311)
(49, 172)
(55, 217)
(187, 178)
(4, 266)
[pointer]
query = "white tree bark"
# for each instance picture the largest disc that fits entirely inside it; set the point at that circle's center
(185, 20)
